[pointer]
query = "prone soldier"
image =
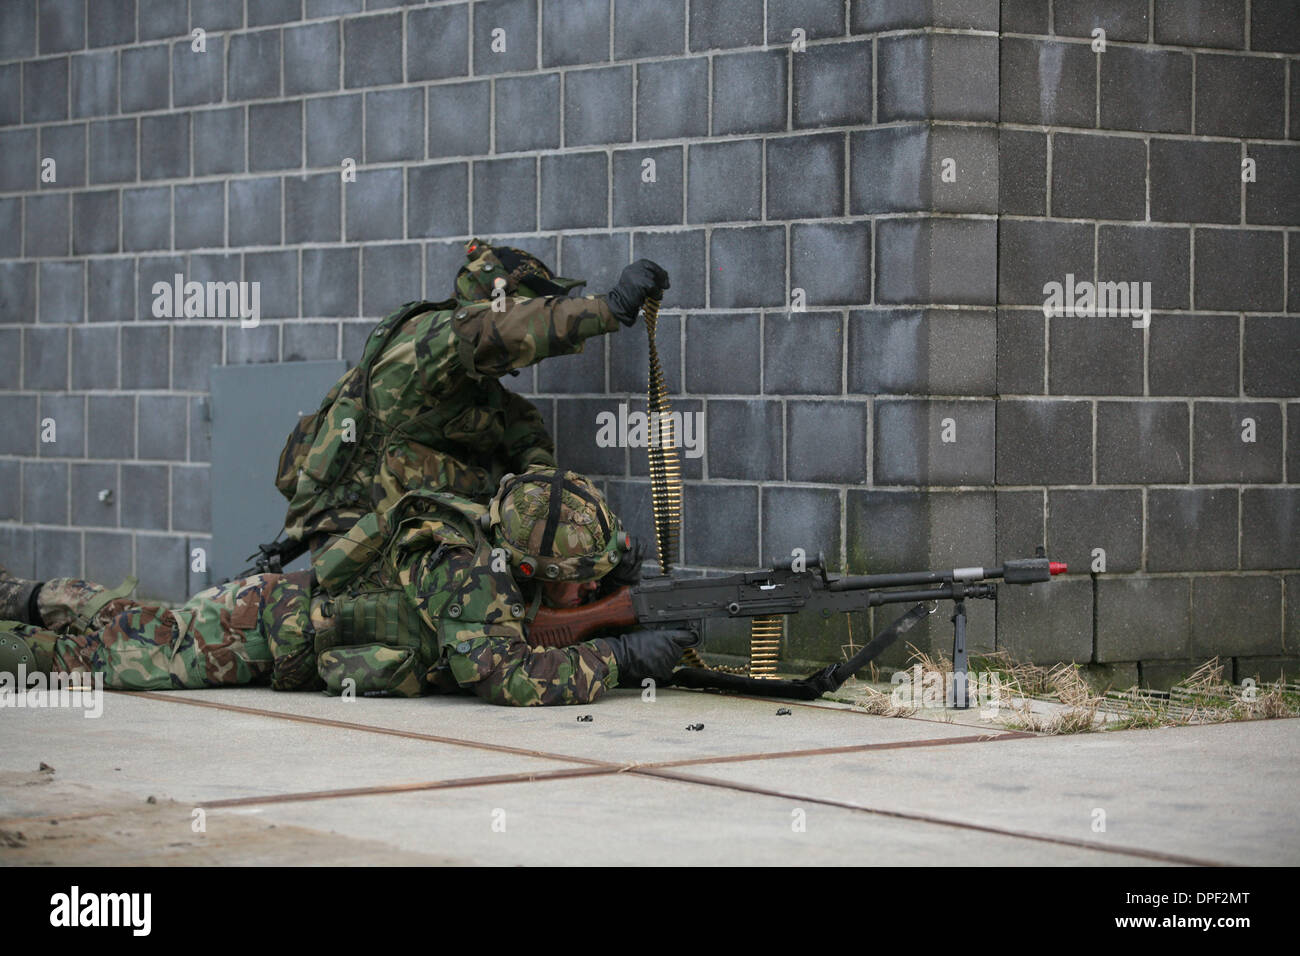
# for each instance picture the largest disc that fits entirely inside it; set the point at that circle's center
(435, 594)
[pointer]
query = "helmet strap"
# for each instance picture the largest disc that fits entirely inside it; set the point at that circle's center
(553, 514)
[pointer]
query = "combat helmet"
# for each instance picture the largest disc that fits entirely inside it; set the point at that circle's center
(523, 274)
(555, 526)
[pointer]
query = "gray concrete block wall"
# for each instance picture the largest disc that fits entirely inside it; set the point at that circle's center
(858, 231)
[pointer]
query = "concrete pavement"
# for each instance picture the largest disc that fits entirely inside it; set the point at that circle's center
(304, 777)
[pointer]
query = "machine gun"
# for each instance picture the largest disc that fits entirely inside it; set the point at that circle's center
(667, 602)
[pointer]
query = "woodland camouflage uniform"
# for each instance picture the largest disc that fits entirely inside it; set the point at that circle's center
(434, 416)
(408, 602)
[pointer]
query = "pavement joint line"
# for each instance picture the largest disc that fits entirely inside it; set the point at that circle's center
(456, 782)
(369, 728)
(926, 818)
(848, 748)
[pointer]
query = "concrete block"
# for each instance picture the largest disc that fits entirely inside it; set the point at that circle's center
(45, 352)
(1216, 23)
(1022, 172)
(672, 98)
(219, 141)
(1271, 355)
(910, 446)
(437, 42)
(197, 77)
(528, 113)
(1247, 274)
(109, 556)
(277, 273)
(505, 196)
(334, 130)
(1270, 528)
(274, 11)
(1149, 90)
(195, 349)
(1047, 83)
(1095, 356)
(826, 441)
(1046, 623)
(1143, 619)
(1223, 456)
(88, 510)
(932, 352)
(638, 202)
(1081, 521)
(274, 136)
(817, 18)
(374, 205)
(390, 276)
(725, 181)
(254, 65)
(735, 279)
(110, 426)
(68, 413)
(1152, 254)
(1142, 442)
(61, 292)
(94, 357)
(926, 529)
(744, 439)
(575, 32)
(831, 262)
(45, 492)
(805, 176)
(725, 23)
(1237, 616)
(518, 20)
(1194, 355)
(369, 44)
(191, 498)
(575, 191)
(648, 28)
(48, 225)
(1098, 177)
(145, 352)
(1031, 254)
(329, 282)
(395, 125)
(199, 215)
(162, 18)
(94, 83)
(908, 251)
(598, 106)
(957, 77)
(1273, 199)
(1044, 442)
(1240, 96)
(749, 92)
(1195, 181)
(802, 353)
(312, 208)
(311, 58)
(599, 259)
(253, 345)
(162, 563)
(437, 200)
(832, 85)
(723, 530)
(1019, 517)
(110, 22)
(58, 554)
(146, 78)
(722, 354)
(1192, 529)
(255, 211)
(45, 90)
(162, 428)
(1274, 26)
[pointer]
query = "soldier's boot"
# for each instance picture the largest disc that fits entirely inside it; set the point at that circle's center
(18, 599)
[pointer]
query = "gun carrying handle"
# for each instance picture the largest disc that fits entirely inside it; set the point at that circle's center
(560, 627)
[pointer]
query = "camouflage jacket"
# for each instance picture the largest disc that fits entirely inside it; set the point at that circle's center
(434, 417)
(415, 599)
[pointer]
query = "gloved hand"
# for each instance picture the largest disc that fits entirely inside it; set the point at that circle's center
(649, 653)
(628, 569)
(639, 281)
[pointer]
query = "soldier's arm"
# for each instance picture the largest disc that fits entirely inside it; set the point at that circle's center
(490, 343)
(527, 441)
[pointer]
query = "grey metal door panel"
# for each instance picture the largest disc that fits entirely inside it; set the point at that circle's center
(254, 407)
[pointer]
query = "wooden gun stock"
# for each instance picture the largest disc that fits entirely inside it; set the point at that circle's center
(560, 627)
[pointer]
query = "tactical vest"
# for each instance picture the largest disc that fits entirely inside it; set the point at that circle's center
(342, 461)
(368, 628)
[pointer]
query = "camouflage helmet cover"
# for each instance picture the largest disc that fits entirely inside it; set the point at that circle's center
(523, 273)
(555, 525)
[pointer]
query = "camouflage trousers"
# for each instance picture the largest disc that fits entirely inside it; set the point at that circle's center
(256, 630)
(243, 632)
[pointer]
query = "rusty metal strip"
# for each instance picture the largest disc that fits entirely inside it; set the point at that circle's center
(410, 787)
(369, 728)
(924, 818)
(847, 749)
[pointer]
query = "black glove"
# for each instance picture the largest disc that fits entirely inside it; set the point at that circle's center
(649, 653)
(628, 569)
(639, 281)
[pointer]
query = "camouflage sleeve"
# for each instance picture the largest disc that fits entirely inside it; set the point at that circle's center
(478, 613)
(527, 441)
(491, 343)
